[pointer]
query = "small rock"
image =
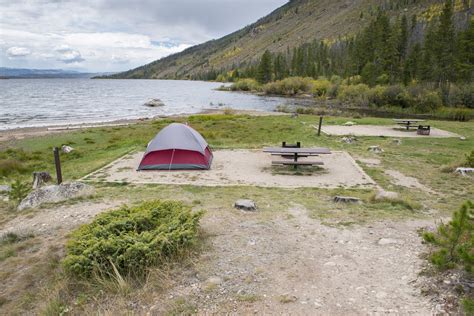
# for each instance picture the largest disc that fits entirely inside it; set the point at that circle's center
(66, 149)
(397, 141)
(383, 195)
(376, 149)
(464, 171)
(4, 189)
(349, 123)
(294, 115)
(245, 205)
(387, 241)
(154, 103)
(346, 199)
(214, 280)
(348, 140)
(462, 138)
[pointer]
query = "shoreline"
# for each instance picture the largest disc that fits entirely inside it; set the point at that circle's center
(31, 131)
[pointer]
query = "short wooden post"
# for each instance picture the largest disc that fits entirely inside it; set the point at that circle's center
(320, 124)
(57, 163)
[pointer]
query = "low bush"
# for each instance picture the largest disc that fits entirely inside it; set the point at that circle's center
(245, 85)
(356, 94)
(321, 87)
(131, 239)
(289, 86)
(470, 160)
(18, 192)
(462, 96)
(454, 241)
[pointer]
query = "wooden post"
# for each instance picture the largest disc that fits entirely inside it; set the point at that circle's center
(57, 163)
(320, 124)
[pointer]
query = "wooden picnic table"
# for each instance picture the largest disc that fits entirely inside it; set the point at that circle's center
(408, 122)
(296, 153)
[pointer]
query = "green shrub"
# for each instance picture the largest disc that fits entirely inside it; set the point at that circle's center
(18, 192)
(470, 160)
(357, 94)
(289, 86)
(462, 96)
(131, 239)
(321, 87)
(454, 241)
(245, 85)
(376, 96)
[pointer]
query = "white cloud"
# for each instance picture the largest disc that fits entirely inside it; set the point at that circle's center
(15, 51)
(114, 35)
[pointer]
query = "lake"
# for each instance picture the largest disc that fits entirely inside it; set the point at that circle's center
(40, 102)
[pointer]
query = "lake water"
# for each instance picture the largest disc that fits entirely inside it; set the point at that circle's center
(40, 102)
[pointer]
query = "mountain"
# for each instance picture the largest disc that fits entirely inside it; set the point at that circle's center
(295, 23)
(42, 73)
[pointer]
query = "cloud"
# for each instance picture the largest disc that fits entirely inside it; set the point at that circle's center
(115, 35)
(69, 56)
(15, 51)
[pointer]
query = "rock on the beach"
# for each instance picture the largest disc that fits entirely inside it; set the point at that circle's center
(346, 199)
(154, 103)
(383, 195)
(66, 149)
(245, 205)
(56, 193)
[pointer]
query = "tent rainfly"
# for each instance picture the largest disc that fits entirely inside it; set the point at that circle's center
(177, 147)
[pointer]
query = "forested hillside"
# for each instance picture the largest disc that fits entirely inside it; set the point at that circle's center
(299, 22)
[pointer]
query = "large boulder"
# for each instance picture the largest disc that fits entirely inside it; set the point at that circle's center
(154, 103)
(55, 194)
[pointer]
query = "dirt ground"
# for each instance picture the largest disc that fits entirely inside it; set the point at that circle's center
(381, 130)
(279, 263)
(243, 167)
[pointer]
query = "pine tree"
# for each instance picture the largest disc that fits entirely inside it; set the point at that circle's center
(264, 72)
(465, 54)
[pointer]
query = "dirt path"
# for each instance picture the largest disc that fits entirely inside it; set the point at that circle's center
(292, 264)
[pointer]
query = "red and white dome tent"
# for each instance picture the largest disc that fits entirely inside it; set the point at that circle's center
(177, 147)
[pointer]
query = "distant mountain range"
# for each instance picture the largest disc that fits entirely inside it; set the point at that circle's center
(293, 24)
(12, 73)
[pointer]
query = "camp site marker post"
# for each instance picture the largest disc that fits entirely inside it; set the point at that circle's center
(57, 163)
(320, 124)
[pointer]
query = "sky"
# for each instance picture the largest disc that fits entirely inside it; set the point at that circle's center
(114, 35)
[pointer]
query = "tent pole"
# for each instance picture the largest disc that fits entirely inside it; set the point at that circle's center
(171, 162)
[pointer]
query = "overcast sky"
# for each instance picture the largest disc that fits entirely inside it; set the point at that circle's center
(114, 35)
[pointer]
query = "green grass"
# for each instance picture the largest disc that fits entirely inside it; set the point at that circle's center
(422, 158)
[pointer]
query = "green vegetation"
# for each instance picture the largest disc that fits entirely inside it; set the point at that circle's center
(129, 240)
(18, 192)
(454, 244)
(455, 241)
(470, 160)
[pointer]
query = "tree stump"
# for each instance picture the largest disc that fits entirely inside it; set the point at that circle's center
(39, 178)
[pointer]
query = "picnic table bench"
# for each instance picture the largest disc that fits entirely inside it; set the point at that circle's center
(296, 153)
(408, 123)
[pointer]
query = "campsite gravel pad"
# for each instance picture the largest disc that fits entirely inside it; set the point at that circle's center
(242, 167)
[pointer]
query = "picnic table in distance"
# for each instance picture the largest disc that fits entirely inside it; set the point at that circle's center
(408, 123)
(296, 153)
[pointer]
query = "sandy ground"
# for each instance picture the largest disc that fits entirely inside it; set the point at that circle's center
(381, 130)
(242, 167)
